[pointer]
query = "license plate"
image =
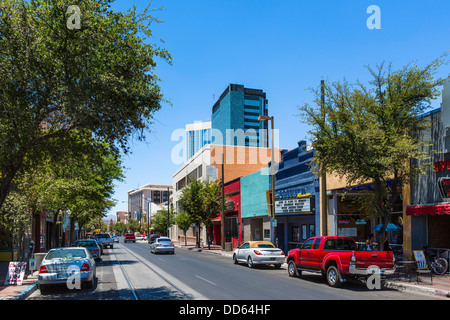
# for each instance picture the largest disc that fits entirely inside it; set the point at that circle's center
(272, 259)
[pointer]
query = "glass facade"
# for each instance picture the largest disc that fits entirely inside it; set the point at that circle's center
(239, 108)
(197, 139)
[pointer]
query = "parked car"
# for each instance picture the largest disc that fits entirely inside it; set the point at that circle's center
(139, 237)
(153, 237)
(58, 265)
(337, 258)
(105, 240)
(92, 246)
(162, 245)
(259, 252)
(115, 239)
(129, 237)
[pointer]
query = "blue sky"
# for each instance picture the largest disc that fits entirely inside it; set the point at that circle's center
(281, 46)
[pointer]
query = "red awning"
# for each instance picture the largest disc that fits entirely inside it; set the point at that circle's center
(430, 209)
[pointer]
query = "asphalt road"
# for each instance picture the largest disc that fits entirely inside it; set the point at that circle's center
(217, 278)
(200, 276)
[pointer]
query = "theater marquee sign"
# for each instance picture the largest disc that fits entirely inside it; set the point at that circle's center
(300, 205)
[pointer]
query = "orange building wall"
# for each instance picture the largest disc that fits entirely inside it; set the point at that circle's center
(241, 161)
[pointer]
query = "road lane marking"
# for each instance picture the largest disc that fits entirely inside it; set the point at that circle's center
(206, 280)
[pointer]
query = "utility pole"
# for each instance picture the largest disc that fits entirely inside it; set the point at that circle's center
(168, 212)
(223, 206)
(323, 175)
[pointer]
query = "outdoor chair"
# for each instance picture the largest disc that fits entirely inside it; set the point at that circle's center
(422, 267)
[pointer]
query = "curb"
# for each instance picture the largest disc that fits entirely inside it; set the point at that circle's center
(22, 295)
(418, 289)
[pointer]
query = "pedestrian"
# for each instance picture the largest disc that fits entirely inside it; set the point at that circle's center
(386, 245)
(370, 242)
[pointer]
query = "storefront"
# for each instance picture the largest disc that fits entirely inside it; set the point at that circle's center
(233, 220)
(297, 198)
(348, 218)
(295, 221)
(429, 207)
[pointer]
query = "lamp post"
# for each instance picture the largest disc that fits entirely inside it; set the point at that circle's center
(272, 165)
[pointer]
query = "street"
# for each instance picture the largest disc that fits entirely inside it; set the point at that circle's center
(131, 272)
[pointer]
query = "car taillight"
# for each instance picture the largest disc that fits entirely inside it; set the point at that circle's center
(353, 259)
(257, 252)
(85, 267)
(43, 269)
(96, 250)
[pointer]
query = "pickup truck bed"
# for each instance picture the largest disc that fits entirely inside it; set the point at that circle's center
(337, 258)
(106, 240)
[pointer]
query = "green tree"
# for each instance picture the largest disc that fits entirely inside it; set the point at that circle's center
(133, 225)
(78, 179)
(54, 80)
(162, 220)
(203, 202)
(111, 225)
(120, 227)
(191, 202)
(211, 196)
(367, 134)
(184, 222)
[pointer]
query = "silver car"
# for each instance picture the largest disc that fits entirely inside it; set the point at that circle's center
(92, 246)
(162, 245)
(259, 252)
(73, 265)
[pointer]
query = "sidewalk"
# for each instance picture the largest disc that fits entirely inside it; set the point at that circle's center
(15, 292)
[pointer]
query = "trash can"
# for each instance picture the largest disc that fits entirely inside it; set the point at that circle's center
(39, 257)
(228, 246)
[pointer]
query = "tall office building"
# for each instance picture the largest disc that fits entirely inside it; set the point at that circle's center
(198, 134)
(142, 198)
(235, 116)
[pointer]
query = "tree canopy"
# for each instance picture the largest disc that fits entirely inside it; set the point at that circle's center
(53, 79)
(366, 133)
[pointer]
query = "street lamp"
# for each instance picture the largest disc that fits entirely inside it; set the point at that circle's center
(272, 165)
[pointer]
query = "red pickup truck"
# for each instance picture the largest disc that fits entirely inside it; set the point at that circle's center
(129, 237)
(337, 258)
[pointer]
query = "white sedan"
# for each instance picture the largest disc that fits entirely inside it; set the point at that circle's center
(259, 252)
(67, 265)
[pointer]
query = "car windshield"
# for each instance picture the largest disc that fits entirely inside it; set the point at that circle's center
(164, 239)
(86, 244)
(103, 236)
(266, 245)
(66, 254)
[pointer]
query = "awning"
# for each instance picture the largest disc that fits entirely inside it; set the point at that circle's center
(428, 209)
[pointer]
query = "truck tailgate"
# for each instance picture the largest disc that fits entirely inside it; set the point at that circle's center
(365, 259)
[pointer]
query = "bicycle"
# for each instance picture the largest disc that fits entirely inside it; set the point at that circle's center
(438, 265)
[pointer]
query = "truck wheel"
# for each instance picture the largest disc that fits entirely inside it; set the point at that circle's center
(333, 277)
(292, 269)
